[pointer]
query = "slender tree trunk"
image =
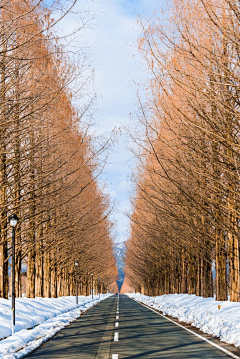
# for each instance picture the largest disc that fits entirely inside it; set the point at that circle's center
(184, 274)
(31, 270)
(192, 279)
(53, 277)
(234, 268)
(39, 266)
(3, 182)
(17, 188)
(59, 284)
(47, 276)
(233, 245)
(221, 269)
(207, 277)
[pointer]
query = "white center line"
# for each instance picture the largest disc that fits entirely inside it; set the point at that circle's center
(117, 316)
(116, 324)
(116, 337)
(115, 356)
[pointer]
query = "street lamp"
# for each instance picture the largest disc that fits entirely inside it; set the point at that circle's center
(13, 220)
(76, 285)
(99, 286)
(92, 284)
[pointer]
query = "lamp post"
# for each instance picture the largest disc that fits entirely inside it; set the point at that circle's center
(76, 285)
(99, 286)
(13, 220)
(92, 284)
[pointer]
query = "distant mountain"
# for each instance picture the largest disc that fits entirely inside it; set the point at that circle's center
(119, 251)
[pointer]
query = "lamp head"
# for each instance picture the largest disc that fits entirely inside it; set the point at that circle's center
(76, 263)
(13, 220)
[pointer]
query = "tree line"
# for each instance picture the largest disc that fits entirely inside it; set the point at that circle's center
(185, 223)
(49, 165)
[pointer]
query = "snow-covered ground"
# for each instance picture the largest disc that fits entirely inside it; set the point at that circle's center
(200, 312)
(46, 316)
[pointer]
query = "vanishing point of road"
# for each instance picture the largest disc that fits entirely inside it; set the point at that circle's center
(120, 328)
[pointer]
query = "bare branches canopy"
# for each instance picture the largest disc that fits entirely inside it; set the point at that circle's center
(48, 165)
(185, 225)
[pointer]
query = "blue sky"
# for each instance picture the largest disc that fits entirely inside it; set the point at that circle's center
(117, 64)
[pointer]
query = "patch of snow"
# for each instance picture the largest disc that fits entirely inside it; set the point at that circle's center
(203, 313)
(37, 320)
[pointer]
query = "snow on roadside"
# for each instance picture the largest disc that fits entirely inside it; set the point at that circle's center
(200, 312)
(46, 316)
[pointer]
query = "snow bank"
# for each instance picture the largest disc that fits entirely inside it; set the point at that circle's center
(47, 315)
(200, 312)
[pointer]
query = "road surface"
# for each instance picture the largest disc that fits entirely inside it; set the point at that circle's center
(121, 328)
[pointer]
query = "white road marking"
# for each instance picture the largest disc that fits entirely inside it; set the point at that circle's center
(197, 335)
(117, 316)
(115, 356)
(116, 337)
(116, 324)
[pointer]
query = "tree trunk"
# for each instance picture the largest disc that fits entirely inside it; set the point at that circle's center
(192, 281)
(30, 292)
(53, 279)
(39, 271)
(221, 270)
(3, 182)
(47, 277)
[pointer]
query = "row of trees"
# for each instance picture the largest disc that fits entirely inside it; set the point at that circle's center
(48, 164)
(185, 225)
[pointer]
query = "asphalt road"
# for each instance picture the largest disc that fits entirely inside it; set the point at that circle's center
(124, 329)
